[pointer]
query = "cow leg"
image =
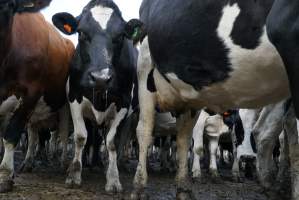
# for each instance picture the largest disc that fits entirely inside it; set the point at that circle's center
(290, 126)
(185, 124)
(28, 163)
(63, 132)
(213, 146)
(266, 131)
(196, 170)
(198, 132)
(112, 175)
(80, 137)
(235, 169)
(146, 118)
(53, 144)
(12, 136)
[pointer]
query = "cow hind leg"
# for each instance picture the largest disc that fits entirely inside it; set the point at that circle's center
(185, 124)
(213, 146)
(63, 130)
(28, 163)
(80, 136)
(12, 136)
(112, 175)
(146, 120)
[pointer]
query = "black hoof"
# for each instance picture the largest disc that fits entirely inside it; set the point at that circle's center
(6, 186)
(26, 167)
(139, 196)
(185, 196)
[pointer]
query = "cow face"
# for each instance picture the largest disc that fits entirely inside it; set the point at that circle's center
(102, 32)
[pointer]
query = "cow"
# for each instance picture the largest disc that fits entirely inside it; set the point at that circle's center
(34, 66)
(101, 79)
(212, 126)
(197, 54)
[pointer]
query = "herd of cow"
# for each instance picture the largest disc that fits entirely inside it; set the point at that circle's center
(184, 68)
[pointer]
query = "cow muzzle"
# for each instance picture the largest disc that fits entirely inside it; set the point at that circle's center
(100, 78)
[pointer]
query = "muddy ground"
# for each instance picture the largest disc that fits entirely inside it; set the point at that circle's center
(47, 183)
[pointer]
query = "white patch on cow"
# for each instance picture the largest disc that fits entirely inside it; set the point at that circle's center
(112, 174)
(249, 118)
(297, 122)
(8, 158)
(9, 105)
(101, 15)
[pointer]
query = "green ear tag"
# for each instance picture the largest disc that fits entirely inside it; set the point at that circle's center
(136, 33)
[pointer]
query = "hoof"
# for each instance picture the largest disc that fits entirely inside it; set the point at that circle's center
(139, 196)
(26, 167)
(73, 179)
(196, 174)
(238, 179)
(185, 196)
(71, 183)
(6, 185)
(113, 187)
(215, 177)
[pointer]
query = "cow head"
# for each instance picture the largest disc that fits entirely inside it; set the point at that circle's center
(19, 6)
(102, 33)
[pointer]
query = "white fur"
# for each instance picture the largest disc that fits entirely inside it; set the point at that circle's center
(8, 158)
(249, 118)
(112, 174)
(101, 15)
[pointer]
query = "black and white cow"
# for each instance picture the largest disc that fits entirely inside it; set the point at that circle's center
(101, 78)
(203, 53)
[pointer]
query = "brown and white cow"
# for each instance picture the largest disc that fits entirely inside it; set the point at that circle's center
(34, 64)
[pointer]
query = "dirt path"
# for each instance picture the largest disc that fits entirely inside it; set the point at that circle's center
(47, 183)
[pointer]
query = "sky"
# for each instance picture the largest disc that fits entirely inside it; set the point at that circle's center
(129, 9)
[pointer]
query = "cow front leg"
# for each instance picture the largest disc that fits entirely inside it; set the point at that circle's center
(213, 146)
(196, 170)
(63, 131)
(12, 137)
(112, 175)
(28, 163)
(80, 136)
(185, 124)
(145, 125)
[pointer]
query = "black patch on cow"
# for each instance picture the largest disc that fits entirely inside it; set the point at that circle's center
(253, 144)
(249, 25)
(193, 113)
(210, 112)
(151, 82)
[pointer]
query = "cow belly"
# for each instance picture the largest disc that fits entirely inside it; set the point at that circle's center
(42, 113)
(258, 77)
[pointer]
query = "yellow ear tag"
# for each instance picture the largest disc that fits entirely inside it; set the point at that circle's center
(67, 28)
(226, 114)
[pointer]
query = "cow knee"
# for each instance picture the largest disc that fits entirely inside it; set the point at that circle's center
(80, 138)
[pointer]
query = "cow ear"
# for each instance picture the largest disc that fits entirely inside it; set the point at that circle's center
(31, 5)
(134, 30)
(65, 22)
